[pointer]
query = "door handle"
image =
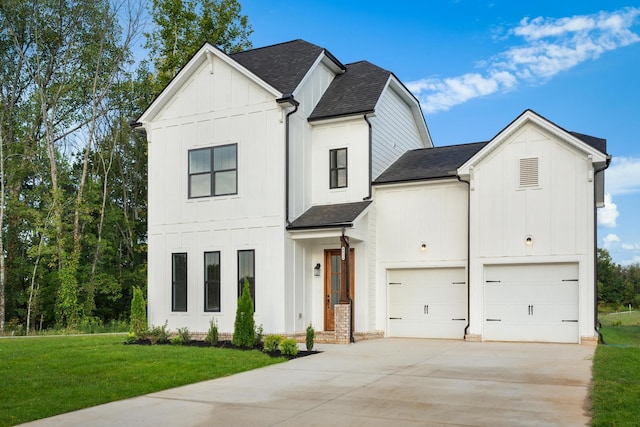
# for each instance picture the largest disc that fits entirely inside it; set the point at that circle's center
(328, 300)
(530, 310)
(426, 309)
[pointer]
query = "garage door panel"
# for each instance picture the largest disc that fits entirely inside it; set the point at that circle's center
(531, 302)
(427, 303)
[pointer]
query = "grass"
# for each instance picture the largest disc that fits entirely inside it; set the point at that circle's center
(623, 318)
(46, 376)
(616, 375)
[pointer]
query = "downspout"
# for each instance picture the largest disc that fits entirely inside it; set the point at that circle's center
(596, 321)
(287, 99)
(366, 119)
(345, 240)
(466, 328)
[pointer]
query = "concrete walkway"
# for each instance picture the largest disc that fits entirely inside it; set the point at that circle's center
(385, 382)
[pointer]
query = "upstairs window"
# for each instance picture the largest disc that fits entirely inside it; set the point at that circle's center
(213, 171)
(338, 168)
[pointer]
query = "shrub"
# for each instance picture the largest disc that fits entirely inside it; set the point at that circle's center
(131, 338)
(259, 334)
(159, 334)
(289, 347)
(212, 335)
(177, 340)
(244, 334)
(272, 342)
(184, 334)
(138, 318)
(311, 335)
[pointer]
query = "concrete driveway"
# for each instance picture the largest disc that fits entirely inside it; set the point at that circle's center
(385, 382)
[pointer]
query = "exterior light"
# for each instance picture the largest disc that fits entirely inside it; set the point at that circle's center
(423, 247)
(316, 270)
(528, 241)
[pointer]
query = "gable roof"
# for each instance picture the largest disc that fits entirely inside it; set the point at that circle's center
(429, 163)
(283, 65)
(356, 91)
(329, 216)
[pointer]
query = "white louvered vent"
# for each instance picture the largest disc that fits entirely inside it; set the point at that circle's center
(529, 172)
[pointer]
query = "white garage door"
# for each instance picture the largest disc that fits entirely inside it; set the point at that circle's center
(531, 302)
(427, 303)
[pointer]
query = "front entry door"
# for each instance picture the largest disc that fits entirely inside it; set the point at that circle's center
(332, 274)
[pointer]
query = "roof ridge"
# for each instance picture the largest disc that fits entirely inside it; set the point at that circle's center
(274, 45)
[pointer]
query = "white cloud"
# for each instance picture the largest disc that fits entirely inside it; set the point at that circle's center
(635, 260)
(609, 213)
(609, 240)
(631, 246)
(623, 176)
(550, 47)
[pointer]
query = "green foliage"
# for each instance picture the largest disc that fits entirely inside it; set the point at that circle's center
(184, 334)
(259, 334)
(182, 27)
(53, 375)
(159, 334)
(138, 322)
(311, 335)
(212, 335)
(616, 378)
(244, 334)
(618, 286)
(289, 347)
(272, 343)
(131, 338)
(177, 340)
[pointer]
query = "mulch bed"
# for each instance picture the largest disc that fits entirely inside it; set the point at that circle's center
(228, 344)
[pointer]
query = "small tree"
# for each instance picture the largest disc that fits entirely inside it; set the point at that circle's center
(138, 314)
(311, 335)
(244, 334)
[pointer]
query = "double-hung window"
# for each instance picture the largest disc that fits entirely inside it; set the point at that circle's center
(338, 168)
(179, 282)
(247, 271)
(213, 171)
(212, 281)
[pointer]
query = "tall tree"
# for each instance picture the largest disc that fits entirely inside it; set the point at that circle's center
(181, 27)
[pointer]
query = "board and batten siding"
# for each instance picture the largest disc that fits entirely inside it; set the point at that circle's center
(557, 214)
(394, 131)
(210, 110)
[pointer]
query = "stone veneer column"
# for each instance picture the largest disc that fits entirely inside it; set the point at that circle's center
(342, 313)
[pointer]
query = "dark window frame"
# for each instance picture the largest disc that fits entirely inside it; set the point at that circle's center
(175, 307)
(334, 169)
(251, 278)
(214, 282)
(212, 172)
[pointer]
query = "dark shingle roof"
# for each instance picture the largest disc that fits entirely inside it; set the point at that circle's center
(597, 143)
(283, 65)
(357, 90)
(429, 163)
(329, 216)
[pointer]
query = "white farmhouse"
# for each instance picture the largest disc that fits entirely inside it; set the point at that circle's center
(285, 167)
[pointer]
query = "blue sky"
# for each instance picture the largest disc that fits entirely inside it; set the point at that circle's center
(476, 65)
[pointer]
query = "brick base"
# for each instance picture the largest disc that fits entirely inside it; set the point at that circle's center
(342, 314)
(589, 341)
(473, 338)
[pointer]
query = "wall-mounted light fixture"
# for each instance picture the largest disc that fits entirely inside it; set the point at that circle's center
(423, 247)
(316, 270)
(528, 241)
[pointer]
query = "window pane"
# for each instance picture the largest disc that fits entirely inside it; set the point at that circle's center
(341, 158)
(342, 178)
(200, 185)
(246, 270)
(212, 281)
(200, 161)
(224, 157)
(179, 282)
(333, 162)
(225, 183)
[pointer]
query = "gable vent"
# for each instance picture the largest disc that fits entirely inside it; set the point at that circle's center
(528, 172)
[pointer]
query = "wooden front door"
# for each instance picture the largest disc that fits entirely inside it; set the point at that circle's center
(332, 284)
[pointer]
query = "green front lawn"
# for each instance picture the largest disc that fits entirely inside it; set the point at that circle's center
(45, 376)
(616, 378)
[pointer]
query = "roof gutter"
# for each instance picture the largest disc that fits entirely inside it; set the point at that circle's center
(287, 99)
(366, 119)
(596, 322)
